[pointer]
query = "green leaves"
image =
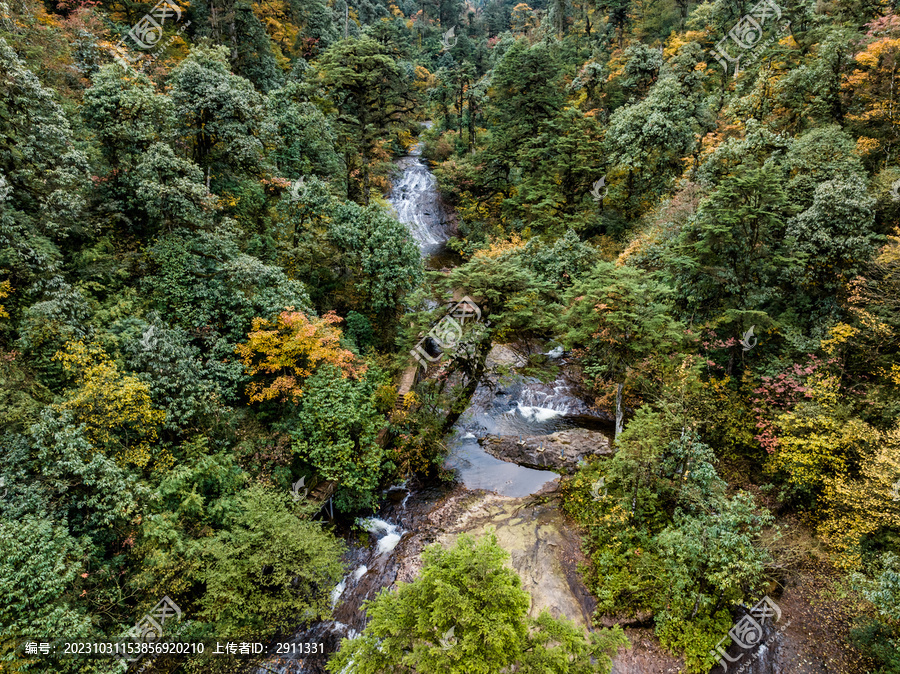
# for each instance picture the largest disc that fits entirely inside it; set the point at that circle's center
(380, 256)
(647, 140)
(835, 234)
(126, 114)
(372, 92)
(337, 427)
(40, 564)
(217, 114)
(469, 589)
(269, 569)
(667, 538)
(733, 253)
(619, 315)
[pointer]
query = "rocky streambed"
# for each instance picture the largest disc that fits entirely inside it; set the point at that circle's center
(508, 451)
(561, 451)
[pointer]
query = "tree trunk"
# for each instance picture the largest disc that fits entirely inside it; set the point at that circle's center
(620, 413)
(471, 125)
(477, 372)
(718, 603)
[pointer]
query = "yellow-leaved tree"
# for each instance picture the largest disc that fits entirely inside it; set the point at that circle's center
(283, 355)
(858, 508)
(115, 408)
(5, 289)
(818, 439)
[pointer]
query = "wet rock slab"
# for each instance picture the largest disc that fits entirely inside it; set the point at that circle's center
(560, 451)
(544, 551)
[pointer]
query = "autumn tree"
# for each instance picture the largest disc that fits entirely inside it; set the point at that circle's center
(115, 408)
(5, 290)
(819, 439)
(861, 510)
(285, 353)
(872, 90)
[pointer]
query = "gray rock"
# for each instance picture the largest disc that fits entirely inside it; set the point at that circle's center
(560, 451)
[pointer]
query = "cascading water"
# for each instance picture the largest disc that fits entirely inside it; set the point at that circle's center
(371, 570)
(521, 405)
(418, 204)
(515, 406)
(390, 534)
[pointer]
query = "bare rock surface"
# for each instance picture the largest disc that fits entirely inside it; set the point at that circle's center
(544, 551)
(560, 451)
(501, 354)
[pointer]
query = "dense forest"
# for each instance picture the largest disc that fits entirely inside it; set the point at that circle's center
(208, 303)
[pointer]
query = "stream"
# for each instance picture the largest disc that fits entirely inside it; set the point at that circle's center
(417, 203)
(510, 405)
(406, 520)
(488, 494)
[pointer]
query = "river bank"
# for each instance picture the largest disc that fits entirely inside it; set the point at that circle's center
(507, 451)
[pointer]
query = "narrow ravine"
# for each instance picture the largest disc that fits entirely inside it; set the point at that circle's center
(489, 492)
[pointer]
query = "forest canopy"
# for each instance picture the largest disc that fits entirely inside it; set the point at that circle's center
(207, 300)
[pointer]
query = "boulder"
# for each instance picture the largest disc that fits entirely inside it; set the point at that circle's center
(560, 451)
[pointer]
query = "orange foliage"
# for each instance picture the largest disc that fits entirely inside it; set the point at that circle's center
(288, 352)
(275, 15)
(500, 247)
(873, 89)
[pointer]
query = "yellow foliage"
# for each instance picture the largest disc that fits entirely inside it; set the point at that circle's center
(5, 289)
(639, 244)
(893, 374)
(500, 247)
(115, 408)
(672, 44)
(424, 79)
(856, 508)
(890, 252)
(866, 146)
(291, 350)
(839, 334)
(815, 441)
(406, 139)
(521, 18)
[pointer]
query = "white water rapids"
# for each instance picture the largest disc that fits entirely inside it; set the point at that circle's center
(416, 200)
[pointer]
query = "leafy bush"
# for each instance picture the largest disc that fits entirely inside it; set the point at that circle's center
(269, 568)
(467, 613)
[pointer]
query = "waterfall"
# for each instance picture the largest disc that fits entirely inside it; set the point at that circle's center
(417, 203)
